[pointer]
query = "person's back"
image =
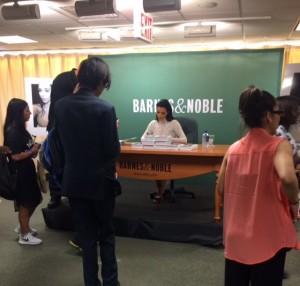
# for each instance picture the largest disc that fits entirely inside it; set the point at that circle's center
(257, 178)
(90, 142)
(256, 207)
(87, 128)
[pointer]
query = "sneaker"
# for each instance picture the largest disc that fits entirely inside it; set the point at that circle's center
(29, 239)
(155, 197)
(75, 244)
(33, 231)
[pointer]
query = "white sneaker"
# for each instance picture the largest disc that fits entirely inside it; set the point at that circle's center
(33, 231)
(29, 239)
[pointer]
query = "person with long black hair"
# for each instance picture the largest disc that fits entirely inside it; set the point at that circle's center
(23, 148)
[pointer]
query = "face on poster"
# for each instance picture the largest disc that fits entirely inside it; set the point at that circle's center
(37, 95)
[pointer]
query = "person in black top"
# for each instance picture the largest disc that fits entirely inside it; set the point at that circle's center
(4, 150)
(62, 85)
(23, 149)
(87, 129)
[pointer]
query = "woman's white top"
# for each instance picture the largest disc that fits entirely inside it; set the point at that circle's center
(166, 128)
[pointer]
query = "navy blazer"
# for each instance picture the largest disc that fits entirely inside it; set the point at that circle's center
(87, 129)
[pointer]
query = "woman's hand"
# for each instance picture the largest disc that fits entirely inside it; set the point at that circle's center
(5, 150)
(35, 149)
(294, 208)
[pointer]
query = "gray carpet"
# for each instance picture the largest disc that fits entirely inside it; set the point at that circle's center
(141, 262)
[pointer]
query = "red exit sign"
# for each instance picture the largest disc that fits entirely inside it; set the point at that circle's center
(146, 27)
(143, 26)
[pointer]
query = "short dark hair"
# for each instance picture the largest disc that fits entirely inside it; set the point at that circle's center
(289, 107)
(254, 104)
(166, 104)
(92, 72)
(15, 114)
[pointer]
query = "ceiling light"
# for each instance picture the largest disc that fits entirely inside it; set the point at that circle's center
(89, 35)
(218, 24)
(122, 5)
(298, 27)
(15, 40)
(199, 31)
(186, 2)
(112, 34)
(191, 24)
(21, 12)
(99, 35)
(212, 23)
(208, 5)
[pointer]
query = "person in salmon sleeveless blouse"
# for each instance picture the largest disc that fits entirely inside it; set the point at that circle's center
(260, 189)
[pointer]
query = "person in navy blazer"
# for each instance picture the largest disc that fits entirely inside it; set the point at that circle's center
(86, 126)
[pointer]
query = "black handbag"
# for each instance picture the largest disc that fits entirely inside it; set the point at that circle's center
(8, 177)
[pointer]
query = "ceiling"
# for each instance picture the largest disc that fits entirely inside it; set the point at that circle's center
(241, 20)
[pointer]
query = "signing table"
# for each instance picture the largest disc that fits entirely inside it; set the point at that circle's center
(155, 164)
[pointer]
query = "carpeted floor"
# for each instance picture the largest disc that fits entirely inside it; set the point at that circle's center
(141, 262)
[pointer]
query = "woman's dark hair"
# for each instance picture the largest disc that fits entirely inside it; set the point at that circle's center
(289, 107)
(36, 99)
(15, 114)
(166, 104)
(254, 104)
(92, 72)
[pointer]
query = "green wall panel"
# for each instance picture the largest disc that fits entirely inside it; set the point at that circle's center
(191, 76)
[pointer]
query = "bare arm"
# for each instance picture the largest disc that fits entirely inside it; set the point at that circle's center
(26, 154)
(5, 150)
(221, 176)
(284, 165)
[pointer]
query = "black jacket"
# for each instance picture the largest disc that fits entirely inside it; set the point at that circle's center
(87, 129)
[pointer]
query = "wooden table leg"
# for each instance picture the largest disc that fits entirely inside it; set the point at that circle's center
(218, 204)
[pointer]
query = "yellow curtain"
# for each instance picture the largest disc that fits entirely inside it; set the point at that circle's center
(14, 69)
(291, 56)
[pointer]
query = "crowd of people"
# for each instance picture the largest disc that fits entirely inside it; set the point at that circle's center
(257, 178)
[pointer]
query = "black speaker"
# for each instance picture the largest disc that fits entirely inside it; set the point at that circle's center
(161, 5)
(295, 88)
(96, 7)
(18, 12)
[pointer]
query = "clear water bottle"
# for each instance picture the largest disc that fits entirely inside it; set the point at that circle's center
(205, 138)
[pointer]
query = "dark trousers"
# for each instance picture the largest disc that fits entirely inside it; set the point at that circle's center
(54, 189)
(266, 273)
(93, 223)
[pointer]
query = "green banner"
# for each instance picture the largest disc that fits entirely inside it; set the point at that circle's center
(201, 85)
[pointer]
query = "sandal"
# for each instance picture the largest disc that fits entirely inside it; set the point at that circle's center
(155, 197)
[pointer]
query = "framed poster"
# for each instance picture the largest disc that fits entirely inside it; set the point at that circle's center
(291, 81)
(37, 95)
